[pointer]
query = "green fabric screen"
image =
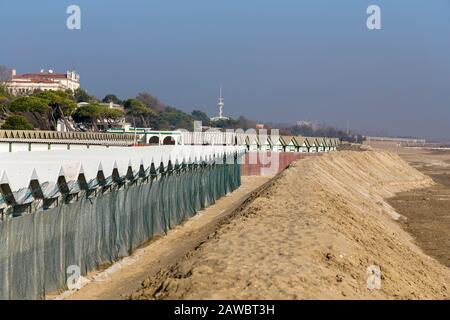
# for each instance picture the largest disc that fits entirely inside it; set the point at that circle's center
(102, 227)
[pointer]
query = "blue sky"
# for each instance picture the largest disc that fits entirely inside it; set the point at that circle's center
(278, 60)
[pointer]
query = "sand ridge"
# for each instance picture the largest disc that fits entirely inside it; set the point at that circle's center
(312, 235)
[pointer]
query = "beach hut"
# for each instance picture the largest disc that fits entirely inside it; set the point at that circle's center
(242, 140)
(322, 144)
(252, 142)
(332, 142)
(327, 144)
(313, 144)
(278, 144)
(290, 144)
(265, 144)
(302, 144)
(335, 143)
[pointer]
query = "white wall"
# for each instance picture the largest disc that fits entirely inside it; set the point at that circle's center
(4, 147)
(17, 168)
(58, 147)
(18, 147)
(39, 147)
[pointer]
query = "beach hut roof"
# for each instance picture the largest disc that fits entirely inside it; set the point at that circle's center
(265, 139)
(300, 140)
(287, 139)
(253, 138)
(312, 141)
(242, 139)
(320, 141)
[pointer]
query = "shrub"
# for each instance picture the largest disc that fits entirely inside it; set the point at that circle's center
(16, 122)
(33, 104)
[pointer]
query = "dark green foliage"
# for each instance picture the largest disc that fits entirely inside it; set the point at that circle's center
(92, 112)
(44, 108)
(32, 104)
(172, 118)
(240, 123)
(80, 95)
(59, 101)
(111, 98)
(324, 131)
(138, 114)
(150, 101)
(5, 97)
(17, 122)
(201, 116)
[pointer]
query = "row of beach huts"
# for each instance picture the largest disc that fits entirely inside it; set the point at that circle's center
(288, 143)
(16, 140)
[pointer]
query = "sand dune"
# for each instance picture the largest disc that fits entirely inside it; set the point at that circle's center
(312, 235)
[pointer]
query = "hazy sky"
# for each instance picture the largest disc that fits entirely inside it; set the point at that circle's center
(278, 60)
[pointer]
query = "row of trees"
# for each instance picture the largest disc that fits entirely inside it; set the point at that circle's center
(43, 109)
(144, 110)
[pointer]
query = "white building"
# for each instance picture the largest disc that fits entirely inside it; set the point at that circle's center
(21, 84)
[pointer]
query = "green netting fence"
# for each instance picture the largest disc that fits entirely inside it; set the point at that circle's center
(103, 226)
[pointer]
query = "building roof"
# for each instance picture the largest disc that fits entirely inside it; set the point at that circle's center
(264, 140)
(253, 138)
(37, 80)
(241, 139)
(301, 140)
(313, 140)
(288, 139)
(43, 75)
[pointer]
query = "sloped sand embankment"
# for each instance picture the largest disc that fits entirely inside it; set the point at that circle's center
(312, 235)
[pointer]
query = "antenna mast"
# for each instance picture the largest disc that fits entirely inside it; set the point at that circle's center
(221, 104)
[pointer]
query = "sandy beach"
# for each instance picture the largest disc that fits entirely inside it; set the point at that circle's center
(313, 234)
(427, 209)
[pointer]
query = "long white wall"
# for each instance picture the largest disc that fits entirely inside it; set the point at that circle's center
(18, 168)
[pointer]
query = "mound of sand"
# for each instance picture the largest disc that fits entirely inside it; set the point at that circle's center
(312, 235)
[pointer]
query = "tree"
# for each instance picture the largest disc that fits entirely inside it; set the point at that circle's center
(111, 98)
(172, 118)
(244, 123)
(150, 101)
(92, 112)
(32, 104)
(59, 101)
(61, 104)
(4, 102)
(17, 122)
(5, 73)
(80, 95)
(5, 97)
(111, 115)
(4, 91)
(201, 116)
(136, 109)
(88, 113)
